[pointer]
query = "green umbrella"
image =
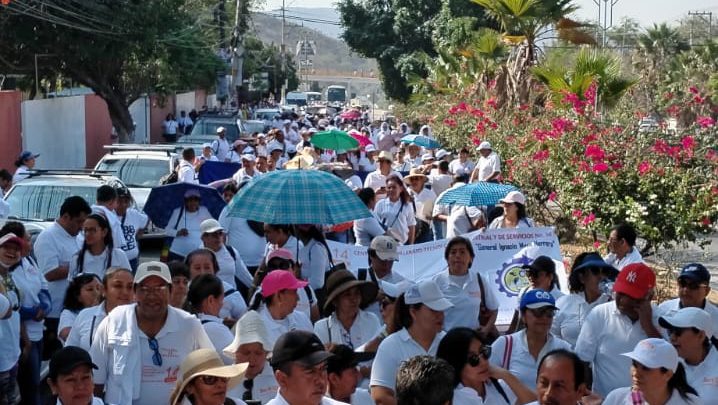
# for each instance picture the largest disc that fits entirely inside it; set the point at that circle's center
(334, 140)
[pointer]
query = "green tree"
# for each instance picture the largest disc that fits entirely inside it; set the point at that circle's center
(120, 49)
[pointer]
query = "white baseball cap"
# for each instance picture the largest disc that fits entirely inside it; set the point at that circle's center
(221, 129)
(655, 353)
(689, 317)
(514, 197)
(154, 268)
(370, 148)
(428, 293)
(210, 226)
(385, 247)
(250, 329)
(249, 157)
(427, 156)
(484, 145)
(441, 153)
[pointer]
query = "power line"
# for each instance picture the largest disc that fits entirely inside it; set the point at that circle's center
(305, 19)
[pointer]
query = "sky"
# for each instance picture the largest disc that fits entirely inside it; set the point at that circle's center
(646, 12)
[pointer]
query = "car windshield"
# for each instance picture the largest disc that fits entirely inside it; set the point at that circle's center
(206, 127)
(265, 115)
(136, 172)
(42, 202)
(252, 127)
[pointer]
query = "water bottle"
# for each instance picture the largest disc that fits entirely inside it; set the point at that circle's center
(606, 287)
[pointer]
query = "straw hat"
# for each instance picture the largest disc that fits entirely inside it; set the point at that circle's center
(206, 362)
(250, 329)
(384, 155)
(300, 162)
(415, 172)
(342, 280)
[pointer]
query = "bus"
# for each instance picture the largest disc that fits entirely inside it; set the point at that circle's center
(336, 95)
(298, 98)
(313, 97)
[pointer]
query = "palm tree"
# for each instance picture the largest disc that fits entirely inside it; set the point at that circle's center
(525, 23)
(661, 41)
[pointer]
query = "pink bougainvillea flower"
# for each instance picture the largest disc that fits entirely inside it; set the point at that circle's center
(476, 140)
(590, 94)
(594, 152)
(711, 154)
(644, 167)
(577, 213)
(661, 146)
(673, 110)
(552, 196)
(492, 103)
(562, 125)
(616, 165)
(596, 244)
(600, 167)
(693, 89)
(588, 219)
(705, 122)
(706, 221)
(699, 99)
(688, 142)
(450, 123)
(541, 155)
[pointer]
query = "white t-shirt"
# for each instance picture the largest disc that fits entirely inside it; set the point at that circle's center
(521, 363)
(276, 328)
(218, 333)
(704, 376)
(424, 202)
(396, 348)
(242, 175)
(229, 267)
(279, 400)
(241, 237)
(21, 173)
(97, 264)
(292, 244)
(498, 223)
(376, 180)
(220, 148)
(121, 365)
(440, 182)
(183, 245)
(465, 293)
(315, 263)
(459, 169)
(622, 396)
(572, 313)
(461, 220)
(186, 173)
(469, 396)
(361, 397)
(634, 256)
(30, 281)
(264, 386)
(366, 229)
(234, 306)
(67, 320)
(488, 166)
(670, 307)
(396, 216)
(330, 330)
(85, 325)
(10, 332)
(54, 246)
(131, 222)
(605, 334)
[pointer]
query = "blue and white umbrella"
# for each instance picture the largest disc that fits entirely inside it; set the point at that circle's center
(298, 197)
(476, 194)
(164, 199)
(421, 140)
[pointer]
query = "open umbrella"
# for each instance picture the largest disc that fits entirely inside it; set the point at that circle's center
(298, 197)
(351, 114)
(363, 139)
(164, 199)
(476, 194)
(334, 140)
(421, 140)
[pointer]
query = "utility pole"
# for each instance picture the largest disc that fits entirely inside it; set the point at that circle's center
(238, 50)
(285, 84)
(605, 18)
(701, 14)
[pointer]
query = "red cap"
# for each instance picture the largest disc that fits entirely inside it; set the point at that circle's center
(278, 280)
(635, 280)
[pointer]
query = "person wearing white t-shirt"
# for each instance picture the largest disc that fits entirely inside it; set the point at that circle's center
(247, 237)
(421, 317)
(248, 170)
(622, 247)
(184, 225)
(689, 330)
(441, 211)
(658, 377)
(220, 146)
(203, 261)
(314, 256)
(617, 326)
(230, 263)
(488, 167)
(423, 203)
(463, 220)
(442, 179)
(132, 223)
(377, 179)
(462, 166)
(279, 236)
(521, 352)
(138, 348)
(693, 289)
(514, 216)
(206, 296)
(105, 205)
(97, 253)
(562, 379)
(186, 172)
(465, 289)
(344, 376)
(396, 213)
(366, 229)
(69, 377)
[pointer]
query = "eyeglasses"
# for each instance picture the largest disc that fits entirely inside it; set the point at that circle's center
(248, 384)
(152, 290)
(690, 285)
(156, 357)
(279, 265)
(545, 312)
(679, 331)
(474, 359)
(211, 379)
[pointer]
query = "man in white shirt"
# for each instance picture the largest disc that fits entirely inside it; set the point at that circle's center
(423, 200)
(344, 375)
(230, 263)
(54, 248)
(441, 212)
(138, 348)
(463, 220)
(186, 170)
(377, 179)
(622, 247)
(462, 166)
(300, 367)
(425, 380)
(693, 289)
(248, 170)
(489, 165)
(442, 179)
(220, 146)
(561, 379)
(105, 204)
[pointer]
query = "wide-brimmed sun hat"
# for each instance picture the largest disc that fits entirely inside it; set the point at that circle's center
(343, 280)
(206, 362)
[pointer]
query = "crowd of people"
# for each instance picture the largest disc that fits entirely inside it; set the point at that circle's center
(244, 312)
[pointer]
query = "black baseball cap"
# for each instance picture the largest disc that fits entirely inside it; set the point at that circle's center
(344, 357)
(66, 359)
(695, 272)
(542, 263)
(300, 346)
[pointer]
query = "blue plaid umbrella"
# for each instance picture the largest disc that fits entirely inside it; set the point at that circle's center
(298, 197)
(164, 199)
(421, 140)
(476, 194)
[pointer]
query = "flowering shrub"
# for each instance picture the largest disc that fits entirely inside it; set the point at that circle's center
(594, 172)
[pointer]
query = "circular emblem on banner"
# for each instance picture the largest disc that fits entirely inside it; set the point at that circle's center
(512, 278)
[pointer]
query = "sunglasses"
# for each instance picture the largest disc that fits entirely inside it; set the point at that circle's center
(155, 347)
(679, 331)
(211, 379)
(474, 359)
(545, 312)
(691, 285)
(279, 265)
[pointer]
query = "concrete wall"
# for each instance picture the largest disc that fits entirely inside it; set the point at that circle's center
(10, 129)
(98, 129)
(140, 112)
(200, 99)
(158, 112)
(55, 128)
(184, 102)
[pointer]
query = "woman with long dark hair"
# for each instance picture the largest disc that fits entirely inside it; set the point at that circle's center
(365, 229)
(84, 291)
(659, 378)
(514, 216)
(98, 252)
(315, 256)
(203, 261)
(206, 297)
(475, 380)
(395, 212)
